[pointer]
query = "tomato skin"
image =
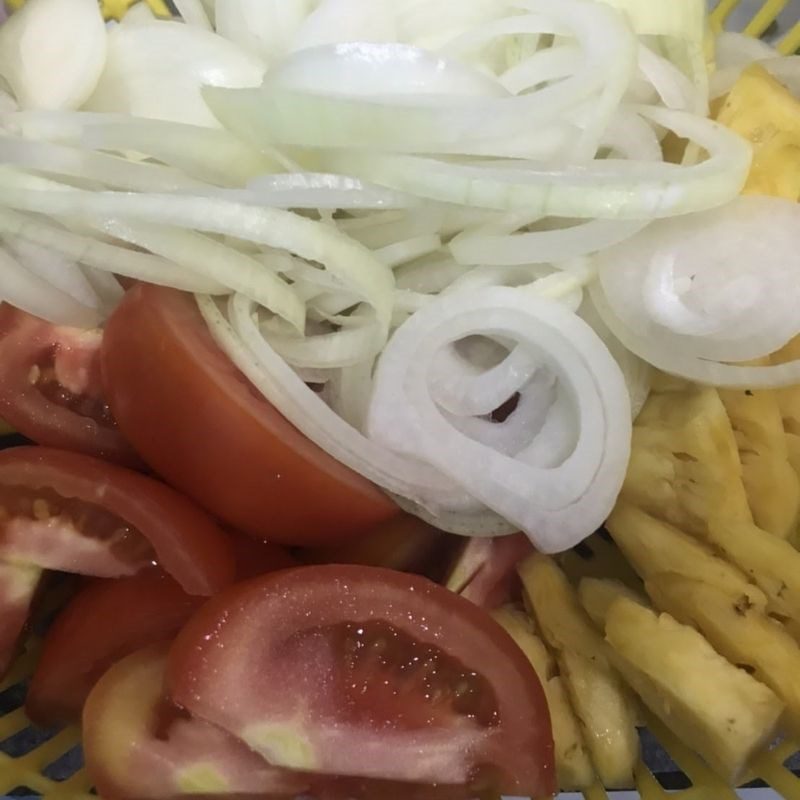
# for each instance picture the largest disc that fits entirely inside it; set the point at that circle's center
(105, 621)
(275, 626)
(197, 421)
(110, 619)
(24, 340)
(188, 543)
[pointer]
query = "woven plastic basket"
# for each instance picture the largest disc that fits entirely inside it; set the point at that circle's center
(48, 763)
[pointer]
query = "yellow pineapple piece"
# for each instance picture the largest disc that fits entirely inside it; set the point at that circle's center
(573, 765)
(770, 481)
(685, 465)
(738, 630)
(654, 546)
(597, 596)
(721, 711)
(767, 114)
(598, 696)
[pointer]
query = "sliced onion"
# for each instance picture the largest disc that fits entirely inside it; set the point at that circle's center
(264, 27)
(269, 373)
(605, 189)
(557, 505)
(335, 21)
(699, 286)
(315, 190)
(193, 13)
(26, 290)
(100, 167)
(52, 52)
(358, 269)
(178, 59)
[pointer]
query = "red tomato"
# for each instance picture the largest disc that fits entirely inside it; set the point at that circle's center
(104, 621)
(485, 571)
(198, 422)
(18, 586)
(138, 746)
(50, 387)
(404, 543)
(366, 672)
(109, 619)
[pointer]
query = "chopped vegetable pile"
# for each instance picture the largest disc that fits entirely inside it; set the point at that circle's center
(347, 277)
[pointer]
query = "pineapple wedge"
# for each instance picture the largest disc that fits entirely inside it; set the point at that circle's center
(739, 631)
(767, 114)
(719, 710)
(573, 765)
(599, 698)
(653, 546)
(771, 483)
(685, 465)
(597, 596)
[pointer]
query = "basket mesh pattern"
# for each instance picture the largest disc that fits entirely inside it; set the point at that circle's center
(48, 763)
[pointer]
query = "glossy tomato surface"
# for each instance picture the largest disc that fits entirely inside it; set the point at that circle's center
(198, 422)
(110, 619)
(50, 387)
(138, 747)
(76, 513)
(366, 672)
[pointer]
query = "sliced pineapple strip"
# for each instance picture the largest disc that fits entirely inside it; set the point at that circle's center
(735, 628)
(597, 596)
(597, 694)
(573, 765)
(721, 711)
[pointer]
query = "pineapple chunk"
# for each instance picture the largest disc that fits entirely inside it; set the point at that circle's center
(597, 596)
(573, 765)
(739, 631)
(722, 712)
(653, 546)
(684, 465)
(772, 485)
(598, 696)
(767, 114)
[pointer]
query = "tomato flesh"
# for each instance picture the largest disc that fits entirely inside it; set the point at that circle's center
(51, 389)
(70, 511)
(366, 672)
(199, 423)
(137, 747)
(18, 586)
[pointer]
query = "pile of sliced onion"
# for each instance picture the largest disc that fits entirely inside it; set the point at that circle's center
(453, 218)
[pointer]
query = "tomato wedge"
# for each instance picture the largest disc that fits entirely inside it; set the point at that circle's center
(485, 570)
(109, 619)
(50, 387)
(79, 514)
(198, 422)
(366, 672)
(18, 586)
(138, 747)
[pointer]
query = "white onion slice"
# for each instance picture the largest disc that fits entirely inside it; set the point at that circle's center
(178, 59)
(335, 21)
(699, 286)
(24, 289)
(193, 13)
(52, 52)
(604, 189)
(557, 505)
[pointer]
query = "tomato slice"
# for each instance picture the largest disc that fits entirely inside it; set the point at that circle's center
(485, 570)
(198, 422)
(138, 746)
(65, 510)
(50, 387)
(109, 619)
(404, 543)
(366, 672)
(18, 587)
